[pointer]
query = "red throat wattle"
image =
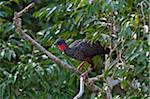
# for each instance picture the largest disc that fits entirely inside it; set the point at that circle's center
(61, 47)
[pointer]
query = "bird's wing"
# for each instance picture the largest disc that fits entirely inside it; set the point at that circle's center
(75, 43)
(92, 49)
(76, 53)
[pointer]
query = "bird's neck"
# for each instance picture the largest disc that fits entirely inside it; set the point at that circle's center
(68, 51)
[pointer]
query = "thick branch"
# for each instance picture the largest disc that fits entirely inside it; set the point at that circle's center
(17, 22)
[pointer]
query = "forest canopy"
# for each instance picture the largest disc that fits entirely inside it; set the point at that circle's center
(121, 25)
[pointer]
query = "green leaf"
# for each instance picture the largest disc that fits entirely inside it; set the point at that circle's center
(134, 56)
(124, 84)
(3, 14)
(2, 90)
(88, 21)
(16, 1)
(78, 17)
(50, 11)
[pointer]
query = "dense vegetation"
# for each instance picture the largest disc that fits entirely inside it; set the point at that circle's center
(25, 72)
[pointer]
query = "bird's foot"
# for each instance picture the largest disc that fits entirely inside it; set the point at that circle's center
(84, 75)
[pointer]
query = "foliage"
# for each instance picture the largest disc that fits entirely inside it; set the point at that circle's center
(27, 73)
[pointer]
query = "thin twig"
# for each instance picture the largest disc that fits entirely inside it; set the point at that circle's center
(110, 82)
(142, 11)
(108, 93)
(81, 91)
(96, 78)
(108, 90)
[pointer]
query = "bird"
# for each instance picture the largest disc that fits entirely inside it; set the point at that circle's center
(82, 50)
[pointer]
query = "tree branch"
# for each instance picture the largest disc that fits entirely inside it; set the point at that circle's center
(17, 22)
(96, 78)
(81, 91)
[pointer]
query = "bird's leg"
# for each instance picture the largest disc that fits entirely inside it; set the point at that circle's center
(81, 64)
(85, 74)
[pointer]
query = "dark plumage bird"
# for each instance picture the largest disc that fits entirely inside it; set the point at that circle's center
(82, 50)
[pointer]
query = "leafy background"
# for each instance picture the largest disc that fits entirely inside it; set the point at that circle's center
(25, 72)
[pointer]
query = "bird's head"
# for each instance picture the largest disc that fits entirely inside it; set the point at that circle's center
(61, 44)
